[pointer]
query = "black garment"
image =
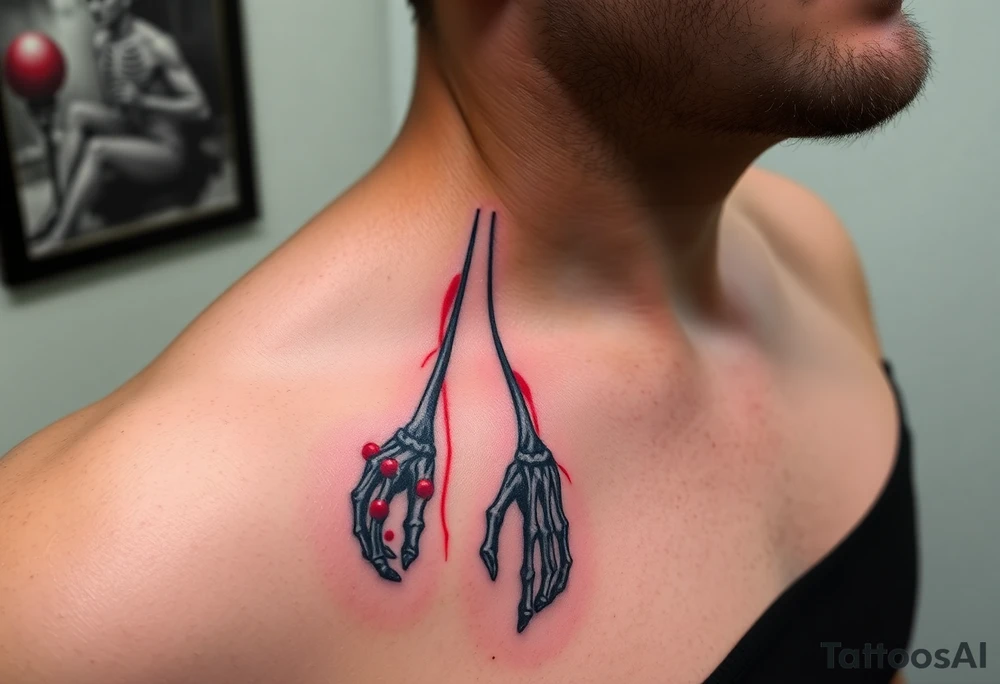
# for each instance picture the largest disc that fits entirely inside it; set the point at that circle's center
(862, 592)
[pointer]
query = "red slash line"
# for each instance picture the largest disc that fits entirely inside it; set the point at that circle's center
(449, 300)
(526, 391)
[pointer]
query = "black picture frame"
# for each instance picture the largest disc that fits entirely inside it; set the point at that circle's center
(20, 266)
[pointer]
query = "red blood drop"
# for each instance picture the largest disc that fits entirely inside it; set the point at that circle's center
(369, 450)
(34, 66)
(389, 535)
(424, 489)
(379, 509)
(389, 467)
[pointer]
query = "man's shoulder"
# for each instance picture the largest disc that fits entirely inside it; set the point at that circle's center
(789, 212)
(809, 239)
(145, 518)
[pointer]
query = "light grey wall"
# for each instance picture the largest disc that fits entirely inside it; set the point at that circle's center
(320, 100)
(922, 199)
(402, 59)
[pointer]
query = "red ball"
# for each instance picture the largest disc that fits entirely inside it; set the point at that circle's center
(424, 489)
(379, 509)
(369, 450)
(389, 535)
(34, 66)
(389, 467)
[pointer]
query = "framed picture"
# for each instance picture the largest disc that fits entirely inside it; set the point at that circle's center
(124, 124)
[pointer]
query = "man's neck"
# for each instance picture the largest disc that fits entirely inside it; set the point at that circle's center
(576, 213)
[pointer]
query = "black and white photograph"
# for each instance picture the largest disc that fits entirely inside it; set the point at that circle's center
(124, 124)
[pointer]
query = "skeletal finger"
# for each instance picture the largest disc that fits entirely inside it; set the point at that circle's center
(513, 483)
(385, 570)
(391, 448)
(379, 511)
(387, 484)
(546, 539)
(419, 489)
(380, 559)
(561, 531)
(360, 500)
(530, 516)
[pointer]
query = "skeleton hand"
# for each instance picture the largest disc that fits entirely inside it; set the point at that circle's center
(404, 463)
(532, 481)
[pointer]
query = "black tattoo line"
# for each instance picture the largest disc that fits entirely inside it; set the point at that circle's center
(406, 461)
(531, 481)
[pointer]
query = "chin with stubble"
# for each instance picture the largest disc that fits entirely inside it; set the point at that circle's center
(764, 68)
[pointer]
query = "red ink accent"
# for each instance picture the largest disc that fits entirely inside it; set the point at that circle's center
(428, 358)
(449, 300)
(369, 450)
(389, 467)
(424, 489)
(379, 509)
(564, 472)
(526, 391)
(389, 535)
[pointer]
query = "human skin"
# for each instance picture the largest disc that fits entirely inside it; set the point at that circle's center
(697, 338)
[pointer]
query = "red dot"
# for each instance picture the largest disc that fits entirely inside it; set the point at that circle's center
(379, 509)
(389, 535)
(369, 450)
(389, 467)
(424, 489)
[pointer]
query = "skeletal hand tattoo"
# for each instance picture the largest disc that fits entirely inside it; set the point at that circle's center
(531, 481)
(405, 462)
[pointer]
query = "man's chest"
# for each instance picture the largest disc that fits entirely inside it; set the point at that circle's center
(692, 505)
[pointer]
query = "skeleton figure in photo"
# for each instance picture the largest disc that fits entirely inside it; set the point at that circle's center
(138, 133)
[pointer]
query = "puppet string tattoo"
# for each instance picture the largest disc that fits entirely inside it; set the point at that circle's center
(405, 462)
(532, 482)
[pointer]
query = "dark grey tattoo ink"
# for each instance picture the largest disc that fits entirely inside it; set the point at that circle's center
(405, 462)
(532, 482)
